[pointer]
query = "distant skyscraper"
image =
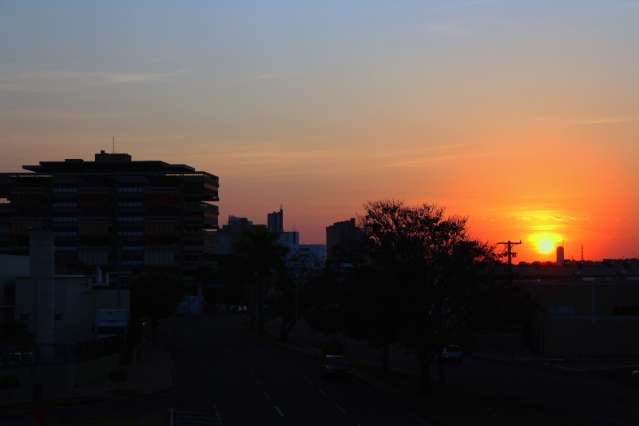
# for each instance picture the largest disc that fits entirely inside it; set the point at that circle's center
(275, 221)
(344, 241)
(560, 256)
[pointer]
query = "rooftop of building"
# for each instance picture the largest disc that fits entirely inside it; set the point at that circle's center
(105, 162)
(581, 270)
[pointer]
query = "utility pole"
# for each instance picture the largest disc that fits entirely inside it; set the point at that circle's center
(509, 247)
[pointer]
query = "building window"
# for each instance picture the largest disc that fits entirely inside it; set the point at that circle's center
(131, 234)
(130, 219)
(629, 311)
(24, 317)
(58, 317)
(65, 189)
(130, 204)
(64, 219)
(66, 233)
(65, 205)
(130, 189)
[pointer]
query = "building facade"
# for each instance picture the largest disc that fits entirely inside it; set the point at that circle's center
(275, 221)
(114, 213)
(344, 242)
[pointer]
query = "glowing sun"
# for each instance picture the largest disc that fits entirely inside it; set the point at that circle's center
(545, 243)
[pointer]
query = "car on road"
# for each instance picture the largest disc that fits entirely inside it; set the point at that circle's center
(12, 359)
(452, 354)
(334, 365)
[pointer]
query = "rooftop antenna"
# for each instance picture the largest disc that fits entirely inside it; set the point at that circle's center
(112, 144)
(582, 252)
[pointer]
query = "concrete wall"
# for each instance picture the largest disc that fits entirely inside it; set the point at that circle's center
(12, 267)
(75, 310)
(579, 295)
(581, 336)
(75, 306)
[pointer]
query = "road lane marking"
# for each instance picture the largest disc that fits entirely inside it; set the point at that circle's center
(267, 396)
(340, 408)
(422, 421)
(193, 418)
(217, 415)
(278, 410)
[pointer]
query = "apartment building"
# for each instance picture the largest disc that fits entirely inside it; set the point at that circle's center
(114, 213)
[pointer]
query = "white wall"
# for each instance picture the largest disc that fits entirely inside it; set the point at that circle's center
(12, 267)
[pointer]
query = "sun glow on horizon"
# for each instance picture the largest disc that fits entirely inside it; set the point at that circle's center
(545, 243)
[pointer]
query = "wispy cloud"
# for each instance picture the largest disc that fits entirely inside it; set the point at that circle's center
(126, 78)
(52, 80)
(606, 120)
(428, 155)
(548, 216)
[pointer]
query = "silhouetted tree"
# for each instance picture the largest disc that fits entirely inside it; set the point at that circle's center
(287, 299)
(261, 257)
(9, 382)
(431, 269)
(14, 333)
(154, 295)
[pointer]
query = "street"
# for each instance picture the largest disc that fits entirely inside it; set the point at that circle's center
(227, 376)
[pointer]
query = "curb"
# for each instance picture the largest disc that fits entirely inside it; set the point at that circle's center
(24, 408)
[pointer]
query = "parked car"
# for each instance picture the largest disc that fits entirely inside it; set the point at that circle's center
(335, 366)
(12, 359)
(452, 354)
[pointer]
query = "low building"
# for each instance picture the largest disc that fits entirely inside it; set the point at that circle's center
(289, 239)
(587, 315)
(83, 310)
(227, 239)
(308, 257)
(66, 309)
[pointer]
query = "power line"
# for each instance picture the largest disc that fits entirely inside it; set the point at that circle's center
(509, 247)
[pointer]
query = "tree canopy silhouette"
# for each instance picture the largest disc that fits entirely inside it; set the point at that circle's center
(433, 273)
(261, 258)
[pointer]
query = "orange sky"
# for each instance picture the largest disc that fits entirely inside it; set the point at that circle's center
(522, 116)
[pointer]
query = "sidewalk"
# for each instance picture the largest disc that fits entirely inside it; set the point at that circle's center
(150, 372)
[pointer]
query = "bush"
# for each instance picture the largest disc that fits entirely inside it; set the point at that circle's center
(9, 382)
(333, 347)
(118, 375)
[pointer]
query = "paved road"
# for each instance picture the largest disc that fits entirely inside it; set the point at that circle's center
(226, 376)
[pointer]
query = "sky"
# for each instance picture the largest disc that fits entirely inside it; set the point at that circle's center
(521, 115)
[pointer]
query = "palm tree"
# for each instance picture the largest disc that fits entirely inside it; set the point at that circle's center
(262, 256)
